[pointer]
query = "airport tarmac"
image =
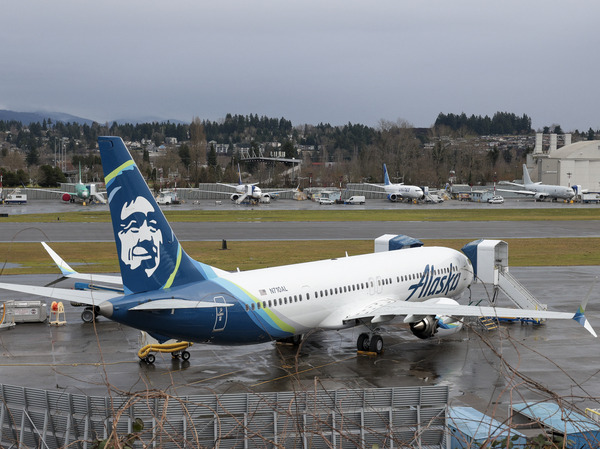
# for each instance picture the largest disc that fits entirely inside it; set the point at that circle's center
(484, 369)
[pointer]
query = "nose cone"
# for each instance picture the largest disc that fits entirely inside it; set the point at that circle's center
(106, 309)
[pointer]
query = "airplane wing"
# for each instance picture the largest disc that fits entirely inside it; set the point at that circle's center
(88, 297)
(54, 192)
(68, 272)
(415, 311)
(217, 193)
(520, 192)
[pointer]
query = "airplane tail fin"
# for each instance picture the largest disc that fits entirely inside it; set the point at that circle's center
(580, 314)
(386, 177)
(239, 175)
(526, 177)
(150, 255)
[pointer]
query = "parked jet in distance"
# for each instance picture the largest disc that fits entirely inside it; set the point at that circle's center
(248, 192)
(538, 190)
(400, 191)
(171, 296)
(83, 193)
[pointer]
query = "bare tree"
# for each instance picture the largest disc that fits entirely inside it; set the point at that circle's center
(197, 149)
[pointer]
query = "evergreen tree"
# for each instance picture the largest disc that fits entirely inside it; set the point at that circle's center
(211, 157)
(590, 134)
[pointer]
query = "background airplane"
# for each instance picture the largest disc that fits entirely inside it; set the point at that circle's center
(538, 190)
(248, 192)
(171, 296)
(84, 193)
(399, 191)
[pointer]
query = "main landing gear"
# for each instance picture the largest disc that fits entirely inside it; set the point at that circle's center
(369, 342)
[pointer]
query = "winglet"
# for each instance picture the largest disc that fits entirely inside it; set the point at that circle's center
(62, 265)
(581, 319)
(580, 314)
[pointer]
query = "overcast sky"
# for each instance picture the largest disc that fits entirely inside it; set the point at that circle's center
(331, 61)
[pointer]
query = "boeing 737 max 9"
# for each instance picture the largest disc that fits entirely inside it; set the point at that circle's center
(538, 190)
(171, 296)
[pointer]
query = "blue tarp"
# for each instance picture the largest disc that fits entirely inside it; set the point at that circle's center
(579, 430)
(470, 428)
(470, 250)
(404, 241)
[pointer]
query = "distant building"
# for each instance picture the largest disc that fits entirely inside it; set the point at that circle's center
(572, 164)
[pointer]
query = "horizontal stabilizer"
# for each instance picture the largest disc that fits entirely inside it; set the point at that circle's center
(69, 272)
(92, 298)
(165, 304)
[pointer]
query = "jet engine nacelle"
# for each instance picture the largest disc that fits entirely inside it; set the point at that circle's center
(235, 196)
(540, 196)
(438, 326)
(393, 197)
(66, 197)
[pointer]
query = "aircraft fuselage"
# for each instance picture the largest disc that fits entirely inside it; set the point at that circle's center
(279, 302)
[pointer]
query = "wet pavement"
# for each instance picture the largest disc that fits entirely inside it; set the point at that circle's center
(484, 369)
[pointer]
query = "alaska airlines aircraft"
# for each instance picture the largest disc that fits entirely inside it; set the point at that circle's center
(538, 190)
(171, 296)
(399, 192)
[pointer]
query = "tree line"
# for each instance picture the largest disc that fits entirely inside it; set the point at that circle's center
(417, 156)
(500, 123)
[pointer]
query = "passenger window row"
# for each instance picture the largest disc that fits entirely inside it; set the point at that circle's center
(338, 290)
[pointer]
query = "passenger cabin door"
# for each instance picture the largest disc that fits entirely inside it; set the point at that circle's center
(220, 314)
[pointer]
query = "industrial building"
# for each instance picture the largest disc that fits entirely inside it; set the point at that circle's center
(567, 165)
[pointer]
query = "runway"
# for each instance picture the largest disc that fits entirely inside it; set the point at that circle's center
(335, 230)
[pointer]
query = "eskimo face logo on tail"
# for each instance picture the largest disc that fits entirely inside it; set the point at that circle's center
(140, 236)
(429, 285)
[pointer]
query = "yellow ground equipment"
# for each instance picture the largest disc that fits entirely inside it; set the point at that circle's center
(150, 345)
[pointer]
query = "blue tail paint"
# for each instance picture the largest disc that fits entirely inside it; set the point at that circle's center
(386, 177)
(150, 255)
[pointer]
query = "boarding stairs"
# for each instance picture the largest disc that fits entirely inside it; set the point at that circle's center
(490, 264)
(517, 293)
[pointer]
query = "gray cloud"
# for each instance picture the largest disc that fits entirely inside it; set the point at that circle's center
(336, 61)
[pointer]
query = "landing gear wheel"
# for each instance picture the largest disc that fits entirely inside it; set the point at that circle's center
(87, 316)
(376, 344)
(296, 340)
(185, 356)
(150, 359)
(362, 344)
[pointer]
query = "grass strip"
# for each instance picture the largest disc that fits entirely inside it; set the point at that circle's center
(101, 257)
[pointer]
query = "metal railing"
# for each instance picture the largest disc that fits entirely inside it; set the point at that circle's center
(384, 418)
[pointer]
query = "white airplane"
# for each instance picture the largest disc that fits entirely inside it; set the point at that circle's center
(538, 190)
(400, 191)
(248, 192)
(171, 296)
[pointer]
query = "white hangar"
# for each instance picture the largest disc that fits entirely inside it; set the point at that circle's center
(572, 164)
